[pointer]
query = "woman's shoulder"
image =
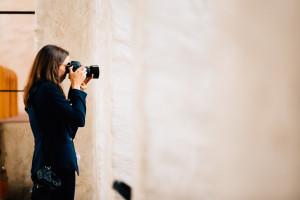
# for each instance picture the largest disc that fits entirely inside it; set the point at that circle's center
(47, 84)
(47, 87)
(46, 94)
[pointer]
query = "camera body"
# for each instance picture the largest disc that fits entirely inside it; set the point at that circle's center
(47, 178)
(45, 181)
(93, 69)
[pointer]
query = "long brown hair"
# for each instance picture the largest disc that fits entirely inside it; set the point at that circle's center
(45, 67)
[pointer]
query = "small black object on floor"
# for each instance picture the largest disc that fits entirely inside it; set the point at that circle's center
(123, 189)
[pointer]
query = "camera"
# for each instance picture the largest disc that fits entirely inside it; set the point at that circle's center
(45, 181)
(93, 69)
(47, 178)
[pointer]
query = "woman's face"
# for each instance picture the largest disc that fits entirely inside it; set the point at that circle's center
(62, 69)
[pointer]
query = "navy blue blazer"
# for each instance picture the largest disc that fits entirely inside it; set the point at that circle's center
(54, 122)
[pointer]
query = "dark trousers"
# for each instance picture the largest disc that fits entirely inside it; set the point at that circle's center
(67, 190)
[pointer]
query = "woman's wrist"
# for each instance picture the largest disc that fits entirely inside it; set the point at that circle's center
(75, 86)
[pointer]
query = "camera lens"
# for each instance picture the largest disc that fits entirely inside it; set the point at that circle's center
(93, 69)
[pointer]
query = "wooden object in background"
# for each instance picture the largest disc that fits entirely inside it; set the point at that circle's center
(8, 100)
(13, 96)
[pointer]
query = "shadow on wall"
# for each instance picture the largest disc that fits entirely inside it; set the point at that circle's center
(8, 94)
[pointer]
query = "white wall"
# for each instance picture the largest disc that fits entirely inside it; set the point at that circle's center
(114, 120)
(217, 102)
(122, 90)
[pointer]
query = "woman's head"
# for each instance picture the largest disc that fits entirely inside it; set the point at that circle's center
(49, 64)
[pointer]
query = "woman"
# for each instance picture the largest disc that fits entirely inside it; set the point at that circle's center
(54, 120)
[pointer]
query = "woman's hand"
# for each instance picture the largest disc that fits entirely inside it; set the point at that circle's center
(77, 77)
(85, 82)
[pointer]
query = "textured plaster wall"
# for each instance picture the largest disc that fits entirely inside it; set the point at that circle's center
(114, 128)
(122, 90)
(174, 99)
(258, 74)
(17, 41)
(217, 99)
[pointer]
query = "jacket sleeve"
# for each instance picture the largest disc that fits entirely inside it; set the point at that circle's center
(54, 101)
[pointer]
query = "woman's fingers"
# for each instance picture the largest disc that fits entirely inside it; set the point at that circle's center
(88, 79)
(71, 70)
(85, 82)
(83, 86)
(83, 70)
(81, 67)
(79, 76)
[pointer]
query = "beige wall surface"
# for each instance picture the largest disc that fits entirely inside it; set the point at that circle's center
(258, 80)
(17, 145)
(17, 5)
(114, 107)
(17, 41)
(217, 105)
(122, 90)
(174, 99)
